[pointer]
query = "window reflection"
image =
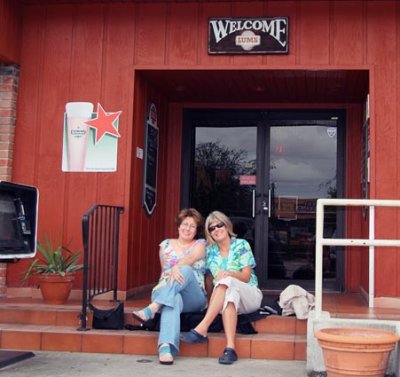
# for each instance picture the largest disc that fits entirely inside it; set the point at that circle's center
(224, 159)
(302, 168)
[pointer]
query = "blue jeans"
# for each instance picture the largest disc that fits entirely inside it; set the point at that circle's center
(176, 299)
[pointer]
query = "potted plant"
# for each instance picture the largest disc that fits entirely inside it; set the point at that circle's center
(54, 269)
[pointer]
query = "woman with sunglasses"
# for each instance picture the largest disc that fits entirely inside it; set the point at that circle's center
(231, 262)
(181, 285)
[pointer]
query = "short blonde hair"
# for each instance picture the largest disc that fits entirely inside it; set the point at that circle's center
(221, 218)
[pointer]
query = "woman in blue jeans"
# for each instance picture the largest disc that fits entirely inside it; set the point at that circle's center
(231, 263)
(181, 285)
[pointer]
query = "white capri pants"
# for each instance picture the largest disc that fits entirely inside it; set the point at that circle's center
(245, 297)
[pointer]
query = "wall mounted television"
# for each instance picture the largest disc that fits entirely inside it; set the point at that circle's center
(18, 221)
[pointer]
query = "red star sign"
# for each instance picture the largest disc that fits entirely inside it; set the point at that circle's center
(104, 123)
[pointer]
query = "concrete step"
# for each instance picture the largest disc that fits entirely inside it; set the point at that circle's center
(37, 326)
(139, 342)
(60, 315)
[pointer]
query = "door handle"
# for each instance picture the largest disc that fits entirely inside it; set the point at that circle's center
(253, 207)
(269, 203)
(266, 206)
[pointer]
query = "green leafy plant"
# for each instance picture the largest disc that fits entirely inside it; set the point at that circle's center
(57, 259)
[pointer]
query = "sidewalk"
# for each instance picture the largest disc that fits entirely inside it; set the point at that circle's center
(67, 364)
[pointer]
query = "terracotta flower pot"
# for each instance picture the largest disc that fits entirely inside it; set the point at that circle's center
(55, 288)
(356, 351)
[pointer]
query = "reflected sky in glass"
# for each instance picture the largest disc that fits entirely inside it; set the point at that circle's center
(302, 161)
(232, 137)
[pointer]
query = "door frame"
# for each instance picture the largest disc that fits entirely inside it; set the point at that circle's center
(264, 119)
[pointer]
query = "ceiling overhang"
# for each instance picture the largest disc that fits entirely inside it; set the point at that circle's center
(272, 86)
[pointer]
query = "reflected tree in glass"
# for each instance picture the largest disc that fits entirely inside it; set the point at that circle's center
(217, 179)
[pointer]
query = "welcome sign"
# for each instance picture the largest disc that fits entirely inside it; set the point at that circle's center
(248, 35)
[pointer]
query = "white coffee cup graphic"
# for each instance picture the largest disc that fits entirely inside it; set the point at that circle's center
(77, 133)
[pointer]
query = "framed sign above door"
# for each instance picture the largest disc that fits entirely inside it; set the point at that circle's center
(269, 35)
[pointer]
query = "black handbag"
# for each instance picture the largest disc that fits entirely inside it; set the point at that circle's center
(108, 319)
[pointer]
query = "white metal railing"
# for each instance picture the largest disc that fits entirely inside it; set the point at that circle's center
(320, 241)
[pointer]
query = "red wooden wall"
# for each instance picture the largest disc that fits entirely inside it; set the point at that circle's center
(145, 233)
(9, 31)
(89, 52)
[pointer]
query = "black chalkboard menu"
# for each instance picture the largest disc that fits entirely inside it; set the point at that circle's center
(150, 161)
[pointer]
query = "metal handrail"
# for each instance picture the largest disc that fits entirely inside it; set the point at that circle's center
(320, 241)
(100, 233)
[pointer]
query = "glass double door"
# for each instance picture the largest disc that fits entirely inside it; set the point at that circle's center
(266, 170)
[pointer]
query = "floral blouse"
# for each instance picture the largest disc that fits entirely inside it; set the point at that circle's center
(170, 258)
(240, 256)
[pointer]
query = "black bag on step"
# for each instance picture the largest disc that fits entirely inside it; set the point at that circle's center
(108, 319)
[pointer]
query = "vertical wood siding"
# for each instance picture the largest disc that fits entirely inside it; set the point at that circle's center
(90, 52)
(382, 20)
(356, 258)
(9, 31)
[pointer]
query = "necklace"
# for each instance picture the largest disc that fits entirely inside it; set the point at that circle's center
(183, 246)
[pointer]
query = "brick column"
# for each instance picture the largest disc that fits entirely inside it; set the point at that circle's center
(9, 77)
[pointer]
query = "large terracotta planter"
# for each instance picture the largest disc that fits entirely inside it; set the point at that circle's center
(356, 351)
(55, 288)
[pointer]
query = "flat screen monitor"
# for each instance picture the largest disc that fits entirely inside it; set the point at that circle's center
(18, 220)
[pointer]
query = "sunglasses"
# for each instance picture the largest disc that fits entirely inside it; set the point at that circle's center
(213, 227)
